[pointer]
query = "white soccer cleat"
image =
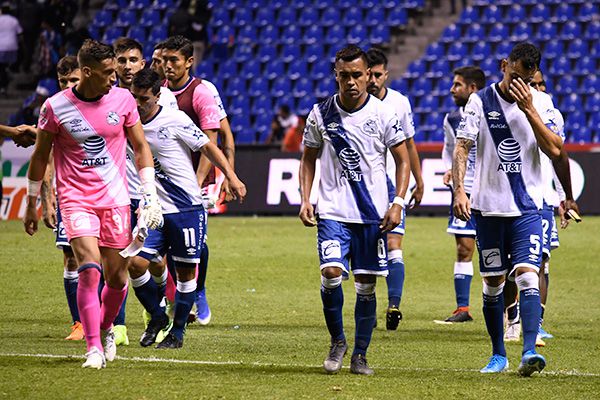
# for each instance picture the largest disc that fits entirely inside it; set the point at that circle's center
(94, 359)
(110, 347)
(513, 332)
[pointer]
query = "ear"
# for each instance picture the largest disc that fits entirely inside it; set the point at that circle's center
(86, 71)
(143, 63)
(503, 64)
(189, 62)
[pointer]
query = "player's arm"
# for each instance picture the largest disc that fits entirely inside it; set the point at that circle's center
(415, 166)
(447, 152)
(48, 196)
(393, 216)
(228, 148)
(35, 175)
(204, 166)
(216, 157)
(462, 206)
(308, 164)
(22, 135)
(563, 173)
(549, 142)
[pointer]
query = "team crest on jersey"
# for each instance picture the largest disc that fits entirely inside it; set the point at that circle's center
(494, 115)
(163, 133)
(509, 152)
(370, 127)
(112, 118)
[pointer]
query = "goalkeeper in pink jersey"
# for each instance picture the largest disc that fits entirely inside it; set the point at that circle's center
(89, 126)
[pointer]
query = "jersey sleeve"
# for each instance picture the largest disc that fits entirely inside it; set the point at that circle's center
(220, 106)
(189, 133)
(167, 99)
(131, 112)
(47, 120)
(206, 108)
(449, 142)
(408, 124)
(313, 135)
(393, 133)
(470, 124)
(560, 123)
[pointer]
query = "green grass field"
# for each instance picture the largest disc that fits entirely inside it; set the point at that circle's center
(268, 338)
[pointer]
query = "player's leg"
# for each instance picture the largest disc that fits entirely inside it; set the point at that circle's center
(493, 266)
(333, 239)
(463, 275)
(511, 312)
(203, 314)
(552, 234)
(395, 278)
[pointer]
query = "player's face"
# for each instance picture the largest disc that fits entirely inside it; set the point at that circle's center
(175, 64)
(129, 63)
(538, 82)
(69, 80)
(352, 78)
(377, 82)
(514, 70)
(460, 91)
(146, 101)
(157, 63)
(102, 76)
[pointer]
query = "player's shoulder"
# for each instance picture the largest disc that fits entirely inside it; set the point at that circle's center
(211, 86)
(397, 96)
(380, 107)
(541, 98)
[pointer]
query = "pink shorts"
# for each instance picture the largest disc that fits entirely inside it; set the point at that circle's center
(110, 225)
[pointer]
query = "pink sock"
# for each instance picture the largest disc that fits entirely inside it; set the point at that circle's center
(88, 303)
(170, 290)
(112, 299)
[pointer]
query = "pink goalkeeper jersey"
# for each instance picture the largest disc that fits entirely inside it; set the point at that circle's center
(89, 146)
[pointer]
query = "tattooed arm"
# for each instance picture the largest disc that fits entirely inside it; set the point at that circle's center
(462, 205)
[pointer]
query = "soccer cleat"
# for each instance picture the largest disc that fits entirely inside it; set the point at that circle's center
(191, 317)
(110, 347)
(393, 316)
(202, 309)
(170, 342)
(496, 364)
(459, 315)
(170, 309)
(543, 334)
(513, 332)
(539, 342)
(163, 334)
(76, 332)
(531, 362)
(94, 359)
(154, 327)
(337, 351)
(121, 338)
(146, 317)
(358, 365)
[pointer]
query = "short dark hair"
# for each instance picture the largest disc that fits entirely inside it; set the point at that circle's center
(94, 52)
(123, 44)
(160, 45)
(350, 53)
(472, 74)
(181, 44)
(529, 55)
(66, 65)
(285, 108)
(147, 79)
(377, 57)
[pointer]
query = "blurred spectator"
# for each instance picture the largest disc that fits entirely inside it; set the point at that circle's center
(292, 141)
(60, 14)
(453, 6)
(30, 17)
(30, 111)
(10, 36)
(283, 121)
(192, 25)
(48, 49)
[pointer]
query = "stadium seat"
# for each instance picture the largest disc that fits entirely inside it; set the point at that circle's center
(163, 4)
(303, 87)
(325, 4)
(243, 53)
(442, 86)
(397, 17)
(576, 121)
(421, 87)
(490, 66)
(139, 4)
(416, 68)
(252, 69)
(400, 85)
(114, 5)
(498, 33)
(236, 86)
(375, 16)
(570, 31)
(577, 48)
(335, 35)
(585, 66)
(592, 103)
(262, 105)
(137, 33)
(220, 17)
(434, 51)
(516, 13)
(353, 17)
(591, 84)
(427, 104)
(379, 34)
(546, 31)
(298, 69)
(563, 13)
(287, 99)
(149, 18)
(589, 11)
(126, 18)
(539, 13)
(290, 53)
(247, 34)
(205, 68)
(257, 4)
(567, 84)
(291, 35)
(521, 32)
(321, 69)
(262, 126)
(239, 105)
(580, 137)
(94, 32)
(357, 35)
(457, 51)
(469, 15)
(268, 35)
(308, 16)
(475, 33)
(592, 32)
(103, 18)
(451, 34)
(242, 17)
(286, 17)
(267, 53)
(274, 69)
(301, 4)
(281, 86)
(560, 66)
(258, 86)
(313, 53)
(553, 49)
(265, 18)
(305, 104)
(313, 36)
(481, 51)
(330, 17)
(325, 87)
(223, 35)
(492, 14)
(572, 102)
(112, 33)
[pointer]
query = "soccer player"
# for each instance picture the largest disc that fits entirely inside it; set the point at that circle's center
(350, 133)
(171, 135)
(89, 126)
(467, 80)
(157, 64)
(510, 124)
(377, 87)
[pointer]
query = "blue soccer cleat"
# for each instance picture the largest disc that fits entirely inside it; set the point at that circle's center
(496, 365)
(531, 362)
(543, 334)
(202, 309)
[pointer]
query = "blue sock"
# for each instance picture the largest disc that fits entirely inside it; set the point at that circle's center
(493, 312)
(462, 287)
(512, 311)
(71, 279)
(184, 300)
(120, 318)
(333, 302)
(530, 309)
(202, 267)
(395, 278)
(146, 291)
(364, 317)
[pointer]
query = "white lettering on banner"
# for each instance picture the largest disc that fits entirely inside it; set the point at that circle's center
(436, 193)
(284, 178)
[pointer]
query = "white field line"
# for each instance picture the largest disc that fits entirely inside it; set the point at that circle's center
(264, 364)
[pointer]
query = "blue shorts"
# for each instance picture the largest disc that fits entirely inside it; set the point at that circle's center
(361, 248)
(61, 235)
(550, 230)
(459, 227)
(182, 235)
(505, 243)
(399, 230)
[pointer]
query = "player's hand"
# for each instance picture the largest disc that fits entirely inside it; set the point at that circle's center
(25, 135)
(416, 196)
(49, 212)
(521, 94)
(307, 214)
(392, 218)
(238, 189)
(151, 210)
(568, 205)
(226, 193)
(564, 221)
(447, 179)
(462, 205)
(30, 220)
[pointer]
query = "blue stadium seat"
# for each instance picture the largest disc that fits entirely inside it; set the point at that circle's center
(391, 4)
(594, 122)
(244, 134)
(308, 16)
(281, 86)
(448, 104)
(481, 51)
(335, 35)
(301, 4)
(126, 18)
(150, 17)
(592, 103)
(94, 32)
(521, 32)
(498, 33)
(577, 48)
(515, 13)
(434, 51)
(469, 15)
(571, 103)
(303, 87)
(457, 51)
(442, 86)
(269, 35)
(560, 66)
(241, 54)
(286, 17)
(267, 53)
(592, 32)
(539, 13)
(247, 34)
(236, 86)
(357, 34)
(137, 33)
(563, 13)
(546, 31)
(163, 4)
(112, 33)
(397, 17)
(325, 4)
(586, 65)
(257, 4)
(400, 85)
(567, 84)
(114, 5)
(252, 69)
(427, 104)
(321, 69)
(589, 11)
(205, 68)
(462, 62)
(265, 17)
(591, 85)
(286, 99)
(379, 34)
(570, 31)
(553, 49)
(436, 135)
(575, 121)
(580, 137)
(262, 126)
(451, 34)
(490, 66)
(416, 69)
(313, 53)
(474, 33)
(290, 53)
(291, 35)
(239, 105)
(103, 18)
(242, 17)
(325, 87)
(298, 69)
(492, 14)
(353, 17)
(262, 105)
(422, 87)
(305, 104)
(330, 17)
(313, 35)
(258, 86)
(220, 17)
(375, 16)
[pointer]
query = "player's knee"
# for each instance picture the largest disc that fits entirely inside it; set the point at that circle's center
(528, 280)
(492, 290)
(137, 266)
(331, 272)
(394, 242)
(395, 256)
(331, 283)
(365, 289)
(157, 268)
(70, 262)
(464, 253)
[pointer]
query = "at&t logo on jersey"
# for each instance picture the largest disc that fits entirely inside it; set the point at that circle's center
(350, 160)
(509, 152)
(94, 145)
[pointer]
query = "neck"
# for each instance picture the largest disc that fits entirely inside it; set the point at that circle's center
(352, 104)
(179, 82)
(85, 90)
(504, 89)
(151, 114)
(124, 85)
(381, 93)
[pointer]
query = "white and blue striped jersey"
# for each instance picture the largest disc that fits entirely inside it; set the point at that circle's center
(167, 100)
(171, 135)
(548, 174)
(508, 170)
(401, 105)
(352, 187)
(451, 122)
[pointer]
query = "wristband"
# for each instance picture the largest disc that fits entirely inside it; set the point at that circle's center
(33, 188)
(147, 179)
(400, 201)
